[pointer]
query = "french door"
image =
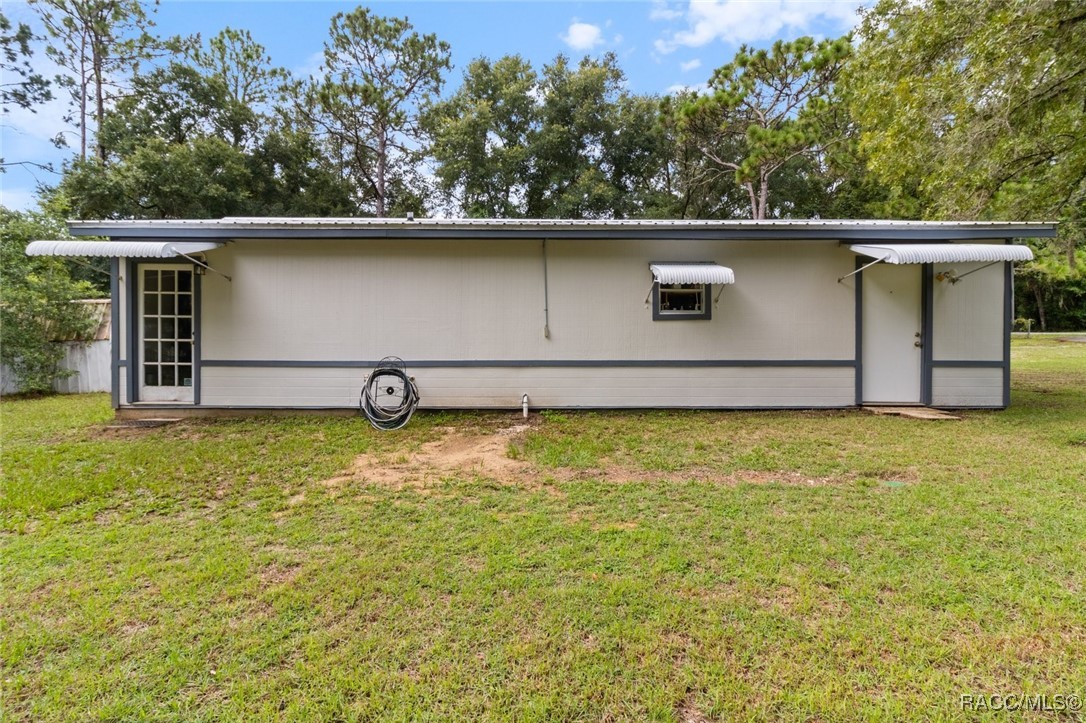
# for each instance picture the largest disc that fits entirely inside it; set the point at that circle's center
(167, 332)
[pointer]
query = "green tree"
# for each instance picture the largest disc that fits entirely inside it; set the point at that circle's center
(97, 42)
(765, 109)
(376, 76)
(21, 86)
(568, 179)
(36, 295)
(981, 101)
(482, 137)
(200, 137)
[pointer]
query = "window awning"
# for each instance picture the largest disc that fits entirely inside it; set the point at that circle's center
(692, 274)
(942, 253)
(128, 249)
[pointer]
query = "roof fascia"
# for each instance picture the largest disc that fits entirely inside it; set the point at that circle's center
(663, 233)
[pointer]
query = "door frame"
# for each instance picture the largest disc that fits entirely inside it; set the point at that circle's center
(134, 358)
(927, 282)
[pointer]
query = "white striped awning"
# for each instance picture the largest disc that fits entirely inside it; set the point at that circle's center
(127, 249)
(692, 274)
(942, 253)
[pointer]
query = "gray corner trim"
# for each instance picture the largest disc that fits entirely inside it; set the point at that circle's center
(859, 331)
(927, 320)
(503, 363)
(197, 303)
(968, 364)
(114, 332)
(706, 315)
(132, 314)
(1008, 316)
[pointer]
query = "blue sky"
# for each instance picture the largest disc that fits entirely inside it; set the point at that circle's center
(660, 44)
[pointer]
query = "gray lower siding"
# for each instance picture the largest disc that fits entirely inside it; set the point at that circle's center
(967, 387)
(502, 388)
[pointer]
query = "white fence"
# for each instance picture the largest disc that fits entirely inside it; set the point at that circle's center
(88, 359)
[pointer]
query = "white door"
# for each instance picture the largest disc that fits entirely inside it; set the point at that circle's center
(891, 334)
(166, 331)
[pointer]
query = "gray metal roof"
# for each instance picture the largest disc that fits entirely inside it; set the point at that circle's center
(452, 228)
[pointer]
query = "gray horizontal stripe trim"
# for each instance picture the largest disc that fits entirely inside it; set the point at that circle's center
(122, 362)
(515, 407)
(495, 363)
(997, 364)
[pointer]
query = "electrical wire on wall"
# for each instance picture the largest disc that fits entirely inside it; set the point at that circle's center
(389, 396)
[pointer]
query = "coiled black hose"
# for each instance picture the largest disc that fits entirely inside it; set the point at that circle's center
(389, 397)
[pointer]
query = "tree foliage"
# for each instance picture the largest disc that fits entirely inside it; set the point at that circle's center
(483, 138)
(766, 108)
(21, 86)
(199, 138)
(376, 76)
(36, 295)
(568, 142)
(982, 101)
(99, 42)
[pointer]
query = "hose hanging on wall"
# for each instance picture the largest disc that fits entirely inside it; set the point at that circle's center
(389, 397)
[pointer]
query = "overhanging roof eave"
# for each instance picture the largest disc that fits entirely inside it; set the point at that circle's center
(238, 229)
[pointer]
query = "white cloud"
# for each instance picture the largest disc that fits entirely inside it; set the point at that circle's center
(690, 65)
(310, 67)
(582, 36)
(661, 10)
(749, 21)
(699, 88)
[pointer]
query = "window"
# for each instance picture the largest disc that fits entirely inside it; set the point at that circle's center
(681, 301)
(684, 289)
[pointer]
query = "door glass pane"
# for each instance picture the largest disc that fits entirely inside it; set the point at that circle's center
(150, 304)
(169, 379)
(168, 304)
(150, 328)
(150, 351)
(184, 375)
(184, 304)
(184, 351)
(168, 348)
(150, 280)
(184, 281)
(150, 375)
(168, 328)
(168, 278)
(184, 328)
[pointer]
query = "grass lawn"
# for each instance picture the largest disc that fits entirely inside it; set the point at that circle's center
(628, 566)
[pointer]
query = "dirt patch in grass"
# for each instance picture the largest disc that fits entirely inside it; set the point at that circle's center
(620, 474)
(486, 454)
(688, 712)
(455, 454)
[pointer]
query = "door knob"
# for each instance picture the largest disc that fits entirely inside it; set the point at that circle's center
(918, 343)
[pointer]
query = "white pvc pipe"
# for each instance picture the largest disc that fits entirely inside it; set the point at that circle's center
(524, 405)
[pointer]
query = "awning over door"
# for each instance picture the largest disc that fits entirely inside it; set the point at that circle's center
(942, 253)
(692, 274)
(128, 249)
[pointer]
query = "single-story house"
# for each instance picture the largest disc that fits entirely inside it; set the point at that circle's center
(292, 313)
